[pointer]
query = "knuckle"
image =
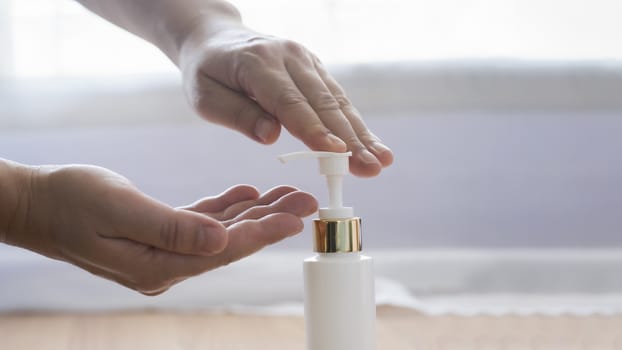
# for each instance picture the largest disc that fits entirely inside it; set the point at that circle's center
(248, 60)
(310, 132)
(316, 60)
(201, 97)
(247, 112)
(289, 97)
(255, 52)
(354, 144)
(169, 234)
(343, 101)
(325, 101)
(294, 47)
(253, 56)
(260, 46)
(367, 137)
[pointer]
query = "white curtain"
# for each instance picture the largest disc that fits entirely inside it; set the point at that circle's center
(68, 63)
(6, 42)
(59, 38)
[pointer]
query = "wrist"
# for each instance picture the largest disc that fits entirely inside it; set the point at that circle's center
(15, 191)
(180, 23)
(23, 222)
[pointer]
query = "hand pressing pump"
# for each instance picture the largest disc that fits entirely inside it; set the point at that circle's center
(340, 310)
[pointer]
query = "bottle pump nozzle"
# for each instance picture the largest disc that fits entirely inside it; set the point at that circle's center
(334, 166)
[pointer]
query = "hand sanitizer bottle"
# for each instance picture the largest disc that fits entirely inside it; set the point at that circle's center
(340, 310)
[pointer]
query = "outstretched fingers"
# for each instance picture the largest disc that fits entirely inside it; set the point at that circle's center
(278, 94)
(249, 236)
(266, 198)
(297, 203)
(251, 231)
(155, 224)
(371, 142)
(237, 200)
(335, 111)
(245, 238)
(313, 107)
(228, 198)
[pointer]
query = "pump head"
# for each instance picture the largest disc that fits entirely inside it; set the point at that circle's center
(334, 166)
(336, 230)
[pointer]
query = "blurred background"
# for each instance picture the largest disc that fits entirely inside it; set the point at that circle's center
(504, 116)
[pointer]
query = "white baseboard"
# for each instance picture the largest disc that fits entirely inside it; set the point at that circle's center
(430, 280)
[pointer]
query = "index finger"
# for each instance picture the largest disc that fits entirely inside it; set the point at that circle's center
(245, 237)
(371, 141)
(277, 93)
(332, 108)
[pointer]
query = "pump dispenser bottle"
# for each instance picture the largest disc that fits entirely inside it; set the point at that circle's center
(340, 310)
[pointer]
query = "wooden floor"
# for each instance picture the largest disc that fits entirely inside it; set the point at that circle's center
(397, 329)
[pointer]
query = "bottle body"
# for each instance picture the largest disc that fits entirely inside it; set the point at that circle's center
(340, 309)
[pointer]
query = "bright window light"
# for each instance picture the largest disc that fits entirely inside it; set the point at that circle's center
(60, 38)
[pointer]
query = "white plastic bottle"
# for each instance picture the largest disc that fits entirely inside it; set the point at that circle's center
(340, 310)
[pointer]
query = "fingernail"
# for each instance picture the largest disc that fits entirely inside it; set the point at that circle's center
(295, 227)
(336, 141)
(212, 240)
(264, 129)
(379, 148)
(382, 152)
(368, 158)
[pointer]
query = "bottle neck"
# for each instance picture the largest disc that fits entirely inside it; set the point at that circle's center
(337, 235)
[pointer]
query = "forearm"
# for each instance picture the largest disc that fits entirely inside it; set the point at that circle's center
(165, 23)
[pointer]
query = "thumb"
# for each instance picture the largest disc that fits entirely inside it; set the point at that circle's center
(222, 105)
(187, 232)
(176, 230)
